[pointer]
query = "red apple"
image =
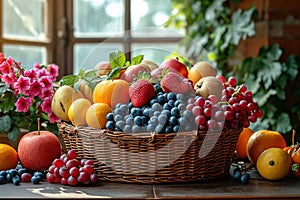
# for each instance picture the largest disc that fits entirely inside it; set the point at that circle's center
(176, 65)
(133, 70)
(38, 149)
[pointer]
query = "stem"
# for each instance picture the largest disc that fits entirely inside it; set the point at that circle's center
(39, 126)
(293, 137)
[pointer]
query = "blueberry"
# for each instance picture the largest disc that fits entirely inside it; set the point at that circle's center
(121, 124)
(181, 107)
(129, 121)
(159, 129)
(2, 180)
(127, 129)
(157, 88)
(171, 103)
(173, 121)
(130, 105)
(166, 112)
(180, 97)
(153, 101)
(153, 120)
(117, 118)
(156, 113)
(167, 106)
(144, 120)
(35, 179)
(162, 119)
(169, 129)
(160, 93)
(171, 96)
(178, 102)
(110, 117)
(126, 117)
(3, 173)
(137, 129)
(150, 128)
(176, 128)
(136, 112)
(237, 175)
(245, 177)
(138, 120)
(22, 170)
(40, 174)
(118, 111)
(16, 180)
(182, 121)
(124, 108)
(110, 125)
(156, 107)
(175, 112)
(9, 178)
(187, 114)
(13, 172)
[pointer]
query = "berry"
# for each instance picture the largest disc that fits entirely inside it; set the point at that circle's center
(72, 181)
(58, 163)
(141, 92)
(16, 180)
(35, 179)
(237, 175)
(173, 82)
(245, 177)
(2, 180)
(71, 154)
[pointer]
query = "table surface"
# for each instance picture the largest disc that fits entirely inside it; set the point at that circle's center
(222, 188)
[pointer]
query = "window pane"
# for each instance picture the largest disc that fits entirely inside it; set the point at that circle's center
(155, 52)
(27, 55)
(147, 14)
(23, 19)
(98, 18)
(86, 56)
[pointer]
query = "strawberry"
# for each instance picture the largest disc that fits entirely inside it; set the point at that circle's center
(173, 82)
(141, 92)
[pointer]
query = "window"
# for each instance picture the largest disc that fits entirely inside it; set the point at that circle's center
(78, 34)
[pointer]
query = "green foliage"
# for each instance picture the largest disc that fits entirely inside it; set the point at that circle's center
(214, 27)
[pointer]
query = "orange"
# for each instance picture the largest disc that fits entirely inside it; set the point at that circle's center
(241, 146)
(77, 111)
(8, 157)
(111, 92)
(262, 140)
(96, 115)
(274, 164)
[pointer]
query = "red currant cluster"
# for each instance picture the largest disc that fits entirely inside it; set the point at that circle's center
(68, 170)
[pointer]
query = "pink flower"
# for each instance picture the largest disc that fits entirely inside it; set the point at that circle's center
(10, 60)
(9, 79)
(46, 81)
(46, 105)
(22, 84)
(36, 66)
(46, 93)
(53, 70)
(42, 72)
(36, 88)
(5, 67)
(23, 104)
(30, 73)
(53, 118)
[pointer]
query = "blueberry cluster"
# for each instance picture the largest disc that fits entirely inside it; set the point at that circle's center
(241, 176)
(16, 176)
(166, 113)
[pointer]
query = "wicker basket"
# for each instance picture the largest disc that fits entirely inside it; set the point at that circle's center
(153, 158)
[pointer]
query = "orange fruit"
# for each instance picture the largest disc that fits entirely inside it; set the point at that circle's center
(111, 92)
(241, 146)
(96, 115)
(8, 157)
(77, 111)
(274, 164)
(262, 140)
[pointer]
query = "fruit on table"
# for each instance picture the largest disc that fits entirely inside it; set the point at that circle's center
(152, 65)
(8, 157)
(209, 85)
(62, 100)
(86, 90)
(262, 140)
(173, 82)
(77, 111)
(175, 64)
(37, 150)
(111, 92)
(273, 164)
(199, 70)
(133, 70)
(96, 115)
(241, 146)
(103, 68)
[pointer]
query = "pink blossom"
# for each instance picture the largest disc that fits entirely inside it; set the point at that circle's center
(46, 93)
(36, 88)
(36, 66)
(23, 104)
(42, 72)
(22, 84)
(30, 73)
(53, 118)
(10, 60)
(46, 105)
(5, 67)
(53, 70)
(9, 79)
(46, 81)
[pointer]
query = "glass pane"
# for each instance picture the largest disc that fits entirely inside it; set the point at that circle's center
(86, 56)
(24, 19)
(27, 55)
(147, 14)
(98, 18)
(155, 52)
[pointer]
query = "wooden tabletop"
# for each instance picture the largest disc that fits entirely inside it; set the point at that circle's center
(222, 188)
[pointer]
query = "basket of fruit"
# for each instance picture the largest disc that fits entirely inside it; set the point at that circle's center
(153, 124)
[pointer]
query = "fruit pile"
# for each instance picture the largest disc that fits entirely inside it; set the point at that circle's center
(18, 175)
(143, 97)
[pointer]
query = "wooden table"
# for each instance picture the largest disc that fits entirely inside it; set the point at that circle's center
(224, 188)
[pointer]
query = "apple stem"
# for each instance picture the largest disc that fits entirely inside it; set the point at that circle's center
(293, 137)
(39, 126)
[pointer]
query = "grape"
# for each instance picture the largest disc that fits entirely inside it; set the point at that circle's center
(50, 178)
(72, 181)
(232, 81)
(88, 169)
(64, 172)
(88, 162)
(64, 181)
(83, 177)
(58, 163)
(93, 178)
(71, 154)
(72, 163)
(213, 99)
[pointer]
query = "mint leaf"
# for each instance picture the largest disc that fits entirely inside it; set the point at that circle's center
(5, 123)
(69, 80)
(117, 59)
(115, 73)
(137, 59)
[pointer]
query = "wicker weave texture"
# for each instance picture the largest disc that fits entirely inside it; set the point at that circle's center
(153, 158)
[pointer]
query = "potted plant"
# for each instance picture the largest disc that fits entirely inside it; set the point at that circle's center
(25, 96)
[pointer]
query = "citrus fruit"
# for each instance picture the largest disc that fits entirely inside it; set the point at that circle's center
(77, 111)
(274, 163)
(8, 157)
(111, 92)
(241, 146)
(262, 140)
(96, 115)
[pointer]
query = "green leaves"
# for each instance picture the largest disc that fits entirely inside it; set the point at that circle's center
(5, 123)
(117, 59)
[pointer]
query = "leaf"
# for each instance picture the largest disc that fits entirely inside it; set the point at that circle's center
(281, 94)
(215, 6)
(283, 123)
(115, 73)
(5, 123)
(3, 88)
(7, 102)
(69, 80)
(262, 97)
(269, 73)
(117, 59)
(14, 134)
(137, 59)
